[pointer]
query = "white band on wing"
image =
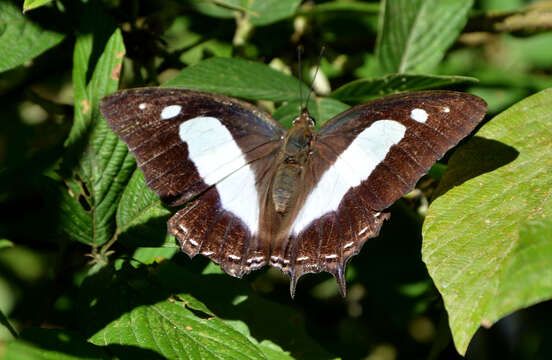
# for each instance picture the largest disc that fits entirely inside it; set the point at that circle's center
(219, 160)
(353, 166)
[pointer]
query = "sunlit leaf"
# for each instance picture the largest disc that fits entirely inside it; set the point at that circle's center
(33, 4)
(99, 162)
(22, 39)
(162, 314)
(487, 242)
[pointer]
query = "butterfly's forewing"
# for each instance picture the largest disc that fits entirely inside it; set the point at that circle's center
(208, 149)
(362, 161)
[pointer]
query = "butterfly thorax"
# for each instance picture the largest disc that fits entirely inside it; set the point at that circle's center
(292, 158)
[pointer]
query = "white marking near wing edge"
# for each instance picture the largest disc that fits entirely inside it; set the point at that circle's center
(170, 111)
(220, 161)
(255, 259)
(353, 166)
(420, 115)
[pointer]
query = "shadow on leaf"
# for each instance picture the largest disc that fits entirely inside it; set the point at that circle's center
(478, 156)
(110, 296)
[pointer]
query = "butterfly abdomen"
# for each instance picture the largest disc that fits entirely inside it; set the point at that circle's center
(291, 164)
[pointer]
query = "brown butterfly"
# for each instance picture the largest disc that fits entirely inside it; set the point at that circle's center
(299, 200)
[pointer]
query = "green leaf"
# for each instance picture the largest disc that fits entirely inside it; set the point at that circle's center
(141, 217)
(212, 46)
(240, 78)
(248, 313)
(98, 161)
(322, 109)
(33, 4)
(365, 89)
(129, 309)
(163, 310)
(52, 344)
(224, 9)
(344, 6)
(4, 243)
(266, 12)
(260, 12)
(414, 34)
(486, 241)
(22, 39)
(148, 255)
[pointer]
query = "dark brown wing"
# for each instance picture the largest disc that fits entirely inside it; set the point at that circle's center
(204, 147)
(363, 160)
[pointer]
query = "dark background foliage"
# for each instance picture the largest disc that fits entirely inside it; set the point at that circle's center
(86, 269)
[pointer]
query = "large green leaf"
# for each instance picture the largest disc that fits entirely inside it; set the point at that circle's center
(240, 78)
(52, 344)
(487, 242)
(414, 34)
(157, 311)
(98, 161)
(22, 39)
(260, 12)
(365, 89)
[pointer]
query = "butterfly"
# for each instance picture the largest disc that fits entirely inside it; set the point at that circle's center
(252, 193)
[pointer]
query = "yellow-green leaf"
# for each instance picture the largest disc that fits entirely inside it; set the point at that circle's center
(487, 242)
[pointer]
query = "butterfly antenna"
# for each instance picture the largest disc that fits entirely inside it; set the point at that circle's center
(315, 73)
(299, 51)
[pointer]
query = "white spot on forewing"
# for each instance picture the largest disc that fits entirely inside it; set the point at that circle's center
(170, 111)
(446, 109)
(348, 245)
(220, 161)
(303, 258)
(420, 115)
(142, 106)
(352, 167)
(332, 256)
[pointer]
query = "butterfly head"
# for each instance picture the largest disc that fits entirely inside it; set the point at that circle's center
(304, 120)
